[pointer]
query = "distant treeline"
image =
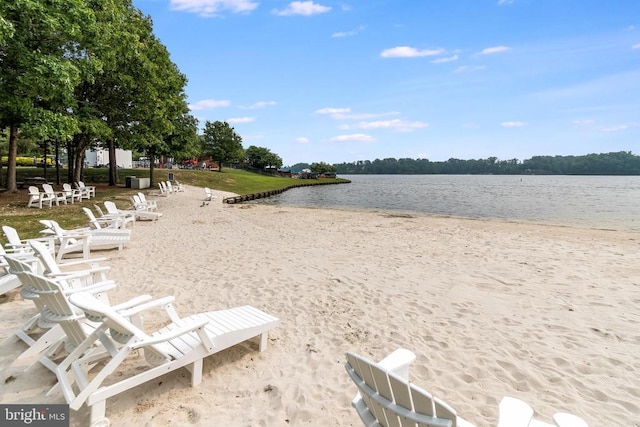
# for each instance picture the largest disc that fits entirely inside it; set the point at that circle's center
(620, 163)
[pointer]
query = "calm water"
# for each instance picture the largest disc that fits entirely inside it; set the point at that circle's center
(610, 202)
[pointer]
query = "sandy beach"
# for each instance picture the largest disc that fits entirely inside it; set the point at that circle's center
(550, 315)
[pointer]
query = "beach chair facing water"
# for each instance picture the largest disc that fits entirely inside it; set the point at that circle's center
(386, 398)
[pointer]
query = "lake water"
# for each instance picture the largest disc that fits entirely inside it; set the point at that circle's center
(608, 202)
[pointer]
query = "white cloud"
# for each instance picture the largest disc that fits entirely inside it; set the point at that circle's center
(260, 104)
(636, 46)
(495, 49)
(409, 52)
(582, 122)
(395, 124)
(208, 104)
(332, 111)
(446, 59)
(304, 8)
(468, 68)
(615, 128)
(504, 2)
(348, 33)
(346, 114)
(302, 140)
(240, 120)
(515, 124)
(356, 137)
(213, 7)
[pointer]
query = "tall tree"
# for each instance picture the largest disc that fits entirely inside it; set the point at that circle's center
(222, 143)
(42, 60)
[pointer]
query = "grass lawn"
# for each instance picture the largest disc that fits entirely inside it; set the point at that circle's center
(14, 211)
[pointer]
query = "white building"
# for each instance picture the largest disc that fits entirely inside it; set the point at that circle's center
(100, 157)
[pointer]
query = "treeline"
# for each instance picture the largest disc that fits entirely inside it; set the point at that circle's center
(619, 163)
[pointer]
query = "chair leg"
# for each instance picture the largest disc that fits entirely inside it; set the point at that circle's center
(196, 373)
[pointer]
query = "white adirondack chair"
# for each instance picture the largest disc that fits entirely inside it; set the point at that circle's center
(53, 196)
(386, 398)
(126, 216)
(71, 194)
(86, 191)
(142, 211)
(35, 197)
(84, 240)
(183, 343)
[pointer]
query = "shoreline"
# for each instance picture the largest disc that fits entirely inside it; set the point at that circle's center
(547, 314)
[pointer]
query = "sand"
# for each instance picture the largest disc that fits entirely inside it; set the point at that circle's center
(550, 315)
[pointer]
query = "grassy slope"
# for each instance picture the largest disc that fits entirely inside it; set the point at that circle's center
(13, 210)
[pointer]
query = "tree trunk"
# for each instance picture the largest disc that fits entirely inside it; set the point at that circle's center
(113, 171)
(152, 161)
(78, 169)
(70, 160)
(11, 159)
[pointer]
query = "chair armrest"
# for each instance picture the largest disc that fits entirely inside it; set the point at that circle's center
(399, 362)
(89, 261)
(78, 274)
(95, 288)
(147, 306)
(169, 335)
(131, 303)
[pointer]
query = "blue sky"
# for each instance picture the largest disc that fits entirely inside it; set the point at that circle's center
(341, 81)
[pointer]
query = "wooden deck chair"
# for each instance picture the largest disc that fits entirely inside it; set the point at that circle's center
(126, 216)
(87, 192)
(35, 197)
(183, 343)
(53, 196)
(71, 194)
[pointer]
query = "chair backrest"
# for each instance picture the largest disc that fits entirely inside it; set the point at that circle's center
(57, 308)
(48, 188)
(92, 218)
(33, 191)
(12, 236)
(111, 207)
(393, 400)
(53, 226)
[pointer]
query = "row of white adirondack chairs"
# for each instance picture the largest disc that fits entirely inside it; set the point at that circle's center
(167, 188)
(89, 344)
(68, 194)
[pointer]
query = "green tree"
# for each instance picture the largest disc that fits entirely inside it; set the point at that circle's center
(42, 60)
(222, 143)
(322, 167)
(261, 157)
